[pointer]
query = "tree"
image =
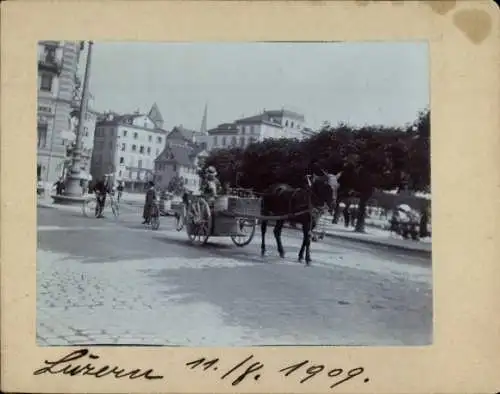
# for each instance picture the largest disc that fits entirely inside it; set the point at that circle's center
(176, 186)
(419, 168)
(370, 158)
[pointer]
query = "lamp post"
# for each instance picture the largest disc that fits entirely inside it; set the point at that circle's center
(73, 187)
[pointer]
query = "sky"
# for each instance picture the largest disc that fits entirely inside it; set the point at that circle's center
(382, 83)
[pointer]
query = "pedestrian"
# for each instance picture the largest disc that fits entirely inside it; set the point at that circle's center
(100, 189)
(60, 186)
(148, 203)
(120, 190)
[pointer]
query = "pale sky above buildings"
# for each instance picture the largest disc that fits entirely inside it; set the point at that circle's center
(375, 83)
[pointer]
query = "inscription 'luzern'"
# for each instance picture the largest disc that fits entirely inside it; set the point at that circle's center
(63, 366)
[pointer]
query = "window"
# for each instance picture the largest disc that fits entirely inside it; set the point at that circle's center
(110, 144)
(135, 136)
(223, 141)
(149, 149)
(291, 124)
(120, 173)
(46, 82)
(42, 134)
(242, 141)
(124, 133)
(157, 152)
(134, 148)
(233, 141)
(286, 123)
(139, 164)
(159, 140)
(130, 174)
(215, 141)
(150, 138)
(124, 147)
(122, 160)
(141, 149)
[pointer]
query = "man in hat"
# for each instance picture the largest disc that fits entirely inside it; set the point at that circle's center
(211, 184)
(148, 204)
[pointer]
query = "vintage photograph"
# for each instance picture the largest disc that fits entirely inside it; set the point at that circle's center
(234, 194)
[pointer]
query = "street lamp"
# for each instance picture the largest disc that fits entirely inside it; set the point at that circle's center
(73, 186)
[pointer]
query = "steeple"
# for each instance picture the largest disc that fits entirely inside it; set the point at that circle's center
(203, 128)
(155, 115)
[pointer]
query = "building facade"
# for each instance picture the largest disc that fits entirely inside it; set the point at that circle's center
(268, 124)
(181, 161)
(57, 68)
(126, 146)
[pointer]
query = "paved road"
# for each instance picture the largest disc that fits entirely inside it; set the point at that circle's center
(114, 282)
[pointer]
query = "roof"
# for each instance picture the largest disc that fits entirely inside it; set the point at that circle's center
(258, 119)
(284, 112)
(184, 133)
(271, 116)
(224, 128)
(182, 155)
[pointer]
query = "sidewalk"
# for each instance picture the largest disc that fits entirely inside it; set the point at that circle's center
(376, 236)
(47, 202)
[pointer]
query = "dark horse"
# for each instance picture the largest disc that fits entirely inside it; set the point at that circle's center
(284, 202)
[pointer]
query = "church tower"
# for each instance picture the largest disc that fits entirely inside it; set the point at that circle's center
(203, 128)
(155, 115)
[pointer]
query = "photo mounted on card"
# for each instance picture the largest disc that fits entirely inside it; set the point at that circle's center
(224, 202)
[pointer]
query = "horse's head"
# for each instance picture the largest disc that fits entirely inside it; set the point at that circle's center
(324, 189)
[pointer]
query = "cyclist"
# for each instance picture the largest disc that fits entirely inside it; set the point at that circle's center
(101, 188)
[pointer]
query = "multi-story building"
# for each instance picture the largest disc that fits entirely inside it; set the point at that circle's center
(269, 124)
(57, 67)
(182, 161)
(127, 146)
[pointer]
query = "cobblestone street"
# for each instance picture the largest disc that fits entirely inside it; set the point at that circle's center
(115, 282)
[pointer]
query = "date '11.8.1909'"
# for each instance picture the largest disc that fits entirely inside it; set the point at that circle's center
(301, 372)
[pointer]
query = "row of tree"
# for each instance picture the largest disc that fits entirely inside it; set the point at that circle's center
(370, 158)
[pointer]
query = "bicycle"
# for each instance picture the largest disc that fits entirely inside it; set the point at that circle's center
(90, 206)
(154, 217)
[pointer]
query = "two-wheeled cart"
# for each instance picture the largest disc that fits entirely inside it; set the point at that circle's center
(232, 215)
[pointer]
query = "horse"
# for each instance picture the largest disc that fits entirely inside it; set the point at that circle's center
(298, 205)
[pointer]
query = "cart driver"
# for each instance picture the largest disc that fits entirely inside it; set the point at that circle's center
(211, 184)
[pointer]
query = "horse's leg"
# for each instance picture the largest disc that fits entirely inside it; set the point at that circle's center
(307, 228)
(277, 234)
(263, 228)
(303, 246)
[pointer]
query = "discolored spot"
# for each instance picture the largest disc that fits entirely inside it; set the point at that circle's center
(362, 2)
(341, 302)
(441, 7)
(476, 24)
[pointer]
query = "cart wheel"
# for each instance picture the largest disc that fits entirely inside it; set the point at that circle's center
(247, 231)
(198, 221)
(89, 207)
